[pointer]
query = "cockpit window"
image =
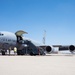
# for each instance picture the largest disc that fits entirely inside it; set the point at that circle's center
(1, 34)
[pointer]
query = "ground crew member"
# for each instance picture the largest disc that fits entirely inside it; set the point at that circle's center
(9, 50)
(38, 51)
(15, 50)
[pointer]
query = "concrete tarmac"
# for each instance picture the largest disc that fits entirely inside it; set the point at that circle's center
(37, 65)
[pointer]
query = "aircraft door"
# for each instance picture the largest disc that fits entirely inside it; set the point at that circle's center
(19, 35)
(19, 39)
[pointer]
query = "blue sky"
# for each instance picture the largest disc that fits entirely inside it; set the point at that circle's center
(57, 17)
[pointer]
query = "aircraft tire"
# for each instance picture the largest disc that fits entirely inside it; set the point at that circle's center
(3, 52)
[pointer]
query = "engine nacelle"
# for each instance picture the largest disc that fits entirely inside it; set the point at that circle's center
(49, 49)
(71, 48)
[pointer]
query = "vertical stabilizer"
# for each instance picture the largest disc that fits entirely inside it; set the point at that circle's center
(44, 37)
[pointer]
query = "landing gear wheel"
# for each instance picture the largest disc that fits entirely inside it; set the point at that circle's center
(3, 52)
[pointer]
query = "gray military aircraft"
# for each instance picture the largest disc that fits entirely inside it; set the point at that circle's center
(9, 40)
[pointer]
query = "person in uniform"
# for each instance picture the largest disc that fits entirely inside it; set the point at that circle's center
(15, 50)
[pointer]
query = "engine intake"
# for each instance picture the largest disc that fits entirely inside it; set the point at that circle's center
(71, 48)
(48, 49)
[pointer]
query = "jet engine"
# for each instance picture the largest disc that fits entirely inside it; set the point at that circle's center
(71, 48)
(49, 49)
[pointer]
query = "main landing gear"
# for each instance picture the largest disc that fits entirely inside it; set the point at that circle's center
(3, 52)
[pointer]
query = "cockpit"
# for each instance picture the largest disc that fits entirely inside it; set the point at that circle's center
(1, 34)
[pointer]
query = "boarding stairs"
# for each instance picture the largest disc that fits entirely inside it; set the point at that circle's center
(31, 46)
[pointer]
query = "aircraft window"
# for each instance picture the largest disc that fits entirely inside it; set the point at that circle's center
(6, 39)
(13, 40)
(9, 40)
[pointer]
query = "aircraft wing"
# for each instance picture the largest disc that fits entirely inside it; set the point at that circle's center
(51, 48)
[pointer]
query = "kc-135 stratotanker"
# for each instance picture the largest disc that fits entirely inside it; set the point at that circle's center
(9, 40)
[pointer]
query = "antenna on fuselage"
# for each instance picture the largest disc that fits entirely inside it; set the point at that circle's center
(44, 37)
